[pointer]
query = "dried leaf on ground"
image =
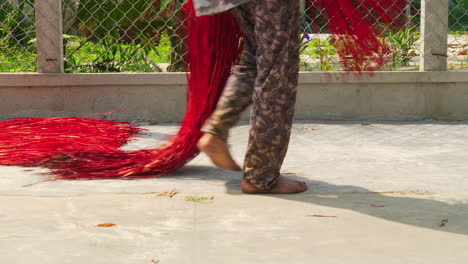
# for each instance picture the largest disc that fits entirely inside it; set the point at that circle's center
(443, 222)
(198, 199)
(331, 216)
(106, 225)
(365, 124)
(292, 173)
(169, 194)
(377, 205)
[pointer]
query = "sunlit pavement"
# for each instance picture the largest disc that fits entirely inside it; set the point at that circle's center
(379, 193)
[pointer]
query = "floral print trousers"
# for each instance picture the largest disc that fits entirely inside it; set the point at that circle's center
(267, 78)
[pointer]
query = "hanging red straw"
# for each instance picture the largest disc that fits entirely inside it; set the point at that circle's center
(356, 27)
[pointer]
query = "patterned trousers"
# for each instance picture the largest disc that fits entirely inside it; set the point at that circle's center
(266, 77)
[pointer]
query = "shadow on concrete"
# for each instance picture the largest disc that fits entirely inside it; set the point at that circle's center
(402, 207)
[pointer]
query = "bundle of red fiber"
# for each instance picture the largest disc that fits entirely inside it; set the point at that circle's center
(33, 141)
(214, 45)
(356, 27)
(77, 149)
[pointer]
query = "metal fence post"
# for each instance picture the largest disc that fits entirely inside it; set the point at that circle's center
(49, 36)
(434, 35)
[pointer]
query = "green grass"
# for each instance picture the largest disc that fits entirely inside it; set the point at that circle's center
(17, 60)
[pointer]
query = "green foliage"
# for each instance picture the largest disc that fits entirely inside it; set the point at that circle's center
(16, 28)
(140, 35)
(109, 55)
(104, 18)
(164, 4)
(16, 60)
(123, 35)
(402, 42)
(17, 53)
(458, 15)
(322, 51)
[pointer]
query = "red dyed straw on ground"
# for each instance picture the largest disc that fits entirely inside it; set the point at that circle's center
(31, 141)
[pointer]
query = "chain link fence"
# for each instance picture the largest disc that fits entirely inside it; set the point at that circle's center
(17, 36)
(458, 35)
(146, 36)
(319, 54)
(122, 36)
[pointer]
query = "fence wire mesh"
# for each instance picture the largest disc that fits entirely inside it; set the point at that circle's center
(17, 36)
(319, 54)
(458, 35)
(122, 36)
(146, 36)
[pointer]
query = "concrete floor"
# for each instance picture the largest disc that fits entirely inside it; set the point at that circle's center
(388, 186)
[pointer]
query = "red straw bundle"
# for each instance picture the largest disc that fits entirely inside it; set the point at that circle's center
(33, 141)
(212, 52)
(79, 148)
(356, 26)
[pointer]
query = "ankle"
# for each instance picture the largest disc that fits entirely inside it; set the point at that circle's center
(247, 187)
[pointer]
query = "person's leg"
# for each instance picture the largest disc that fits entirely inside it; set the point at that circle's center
(274, 97)
(237, 96)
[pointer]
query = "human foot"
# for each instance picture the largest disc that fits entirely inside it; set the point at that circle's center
(217, 151)
(284, 186)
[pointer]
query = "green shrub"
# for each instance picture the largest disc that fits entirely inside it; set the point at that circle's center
(109, 55)
(322, 51)
(123, 35)
(402, 42)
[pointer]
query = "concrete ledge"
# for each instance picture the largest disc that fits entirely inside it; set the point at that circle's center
(105, 79)
(160, 97)
(90, 79)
